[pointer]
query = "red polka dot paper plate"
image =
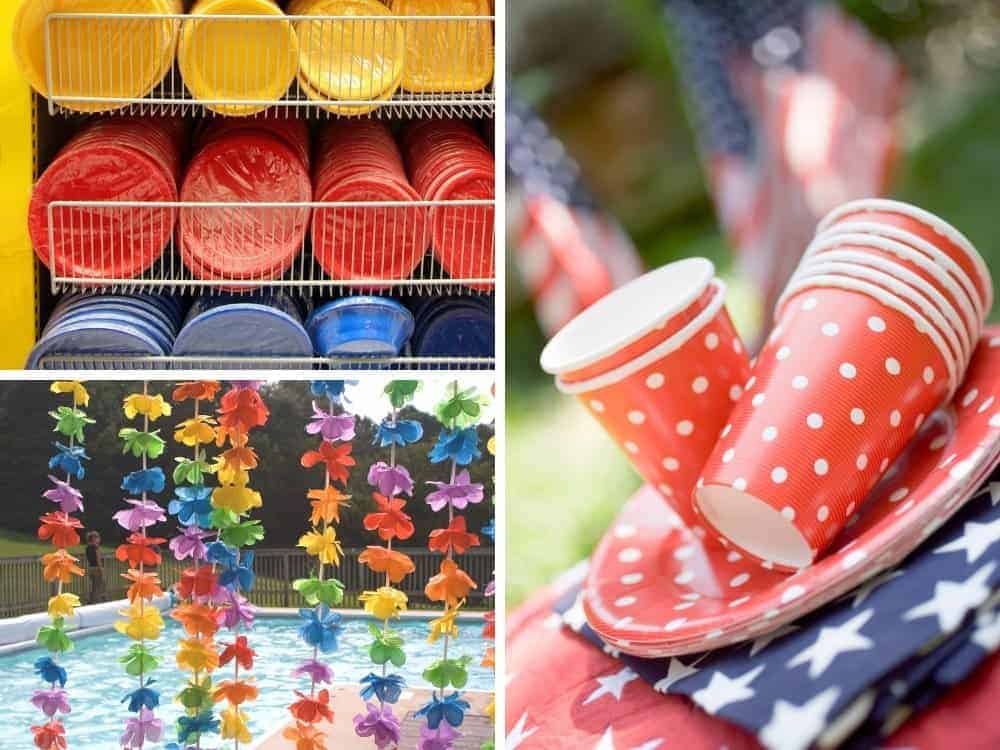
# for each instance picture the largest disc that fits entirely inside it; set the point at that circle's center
(658, 588)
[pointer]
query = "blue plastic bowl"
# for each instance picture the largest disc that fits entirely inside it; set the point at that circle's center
(219, 326)
(456, 331)
(360, 327)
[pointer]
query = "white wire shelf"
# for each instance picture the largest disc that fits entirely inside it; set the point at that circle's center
(310, 248)
(87, 362)
(392, 66)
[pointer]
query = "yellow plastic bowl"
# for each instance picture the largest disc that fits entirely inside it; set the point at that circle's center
(350, 110)
(447, 56)
(349, 59)
(88, 54)
(228, 64)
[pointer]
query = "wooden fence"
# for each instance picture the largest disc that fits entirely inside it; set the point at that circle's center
(24, 591)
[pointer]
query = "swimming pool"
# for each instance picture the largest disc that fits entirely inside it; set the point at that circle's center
(97, 681)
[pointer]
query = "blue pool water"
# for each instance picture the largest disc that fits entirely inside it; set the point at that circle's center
(97, 681)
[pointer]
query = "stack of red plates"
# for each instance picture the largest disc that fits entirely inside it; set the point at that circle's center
(114, 160)
(359, 162)
(239, 162)
(448, 161)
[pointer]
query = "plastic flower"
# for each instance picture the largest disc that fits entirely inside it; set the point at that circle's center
(460, 446)
(197, 619)
(239, 458)
(139, 660)
(66, 496)
(445, 624)
(239, 576)
(63, 605)
(60, 528)
(191, 471)
(387, 646)
(143, 623)
(153, 407)
(60, 566)
(234, 725)
(145, 480)
(239, 651)
(221, 553)
(455, 537)
(442, 738)
(312, 709)
(320, 627)
(199, 581)
(445, 672)
(402, 433)
(69, 460)
(389, 521)
(80, 395)
(489, 659)
(450, 709)
(49, 671)
(198, 390)
(144, 696)
(141, 729)
(192, 506)
(459, 408)
(195, 431)
(197, 695)
(138, 550)
(401, 391)
(144, 585)
(197, 655)
(237, 498)
(451, 585)
(336, 458)
(331, 389)
(53, 637)
(384, 603)
(380, 724)
(331, 426)
(305, 737)
(315, 669)
(142, 514)
(490, 530)
(51, 736)
(460, 493)
(314, 591)
(139, 443)
(50, 702)
(238, 611)
(243, 534)
(190, 543)
(322, 544)
(235, 692)
(489, 628)
(193, 727)
(71, 422)
(326, 504)
(396, 565)
(390, 480)
(242, 409)
(387, 689)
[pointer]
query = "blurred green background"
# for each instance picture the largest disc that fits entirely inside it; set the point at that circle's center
(606, 84)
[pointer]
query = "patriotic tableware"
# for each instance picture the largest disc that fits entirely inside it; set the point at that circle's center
(836, 393)
(659, 587)
(667, 406)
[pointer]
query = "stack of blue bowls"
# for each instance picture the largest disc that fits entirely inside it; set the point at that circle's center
(82, 325)
(454, 326)
(360, 327)
(244, 325)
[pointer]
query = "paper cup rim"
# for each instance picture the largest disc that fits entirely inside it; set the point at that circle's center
(644, 360)
(596, 333)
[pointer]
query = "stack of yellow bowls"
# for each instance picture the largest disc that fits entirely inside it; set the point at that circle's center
(103, 58)
(353, 59)
(238, 67)
(446, 56)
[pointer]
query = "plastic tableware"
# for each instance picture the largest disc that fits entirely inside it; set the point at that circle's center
(659, 588)
(360, 326)
(293, 132)
(167, 305)
(455, 330)
(163, 315)
(98, 318)
(148, 319)
(103, 339)
(261, 326)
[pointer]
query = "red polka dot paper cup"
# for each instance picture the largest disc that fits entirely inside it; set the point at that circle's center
(666, 407)
(846, 379)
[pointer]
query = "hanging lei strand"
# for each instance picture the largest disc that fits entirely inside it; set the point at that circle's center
(489, 628)
(391, 480)
(144, 622)
(321, 626)
(197, 611)
(241, 410)
(61, 529)
(458, 443)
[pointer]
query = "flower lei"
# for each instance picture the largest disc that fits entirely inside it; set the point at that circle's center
(489, 629)
(60, 528)
(391, 481)
(321, 626)
(231, 577)
(459, 444)
(140, 550)
(198, 610)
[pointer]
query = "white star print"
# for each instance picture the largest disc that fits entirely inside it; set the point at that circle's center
(553, 622)
(722, 690)
(519, 733)
(952, 600)
(613, 685)
(650, 744)
(607, 742)
(795, 727)
(869, 586)
(975, 540)
(574, 617)
(676, 671)
(834, 641)
(764, 641)
(987, 632)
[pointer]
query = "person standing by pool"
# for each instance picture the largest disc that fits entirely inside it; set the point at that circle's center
(95, 568)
